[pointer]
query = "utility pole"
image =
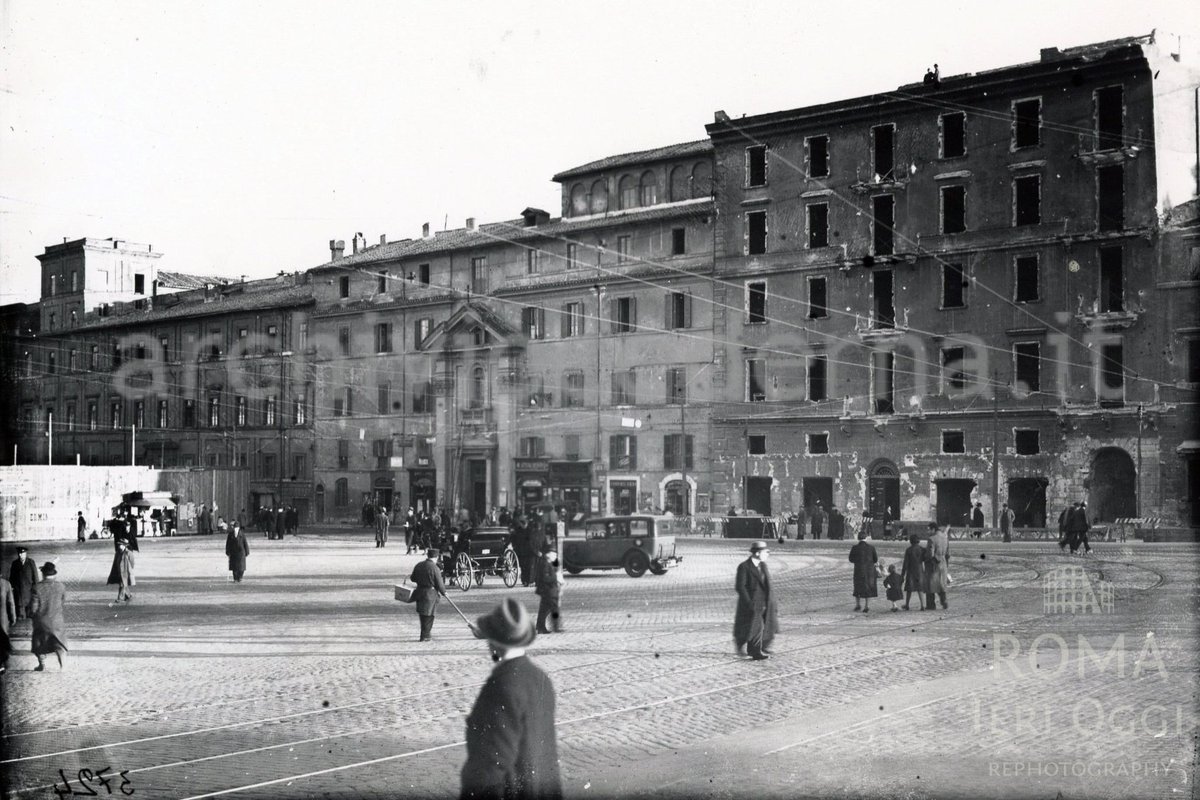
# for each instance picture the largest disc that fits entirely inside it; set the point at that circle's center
(683, 456)
(279, 405)
(50, 433)
(995, 452)
(599, 394)
(1137, 497)
(133, 445)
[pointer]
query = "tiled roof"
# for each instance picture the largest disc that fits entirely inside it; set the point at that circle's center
(682, 150)
(494, 233)
(163, 309)
(182, 280)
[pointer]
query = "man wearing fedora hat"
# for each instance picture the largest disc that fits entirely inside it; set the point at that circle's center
(428, 579)
(511, 742)
(757, 617)
(49, 629)
(549, 582)
(23, 576)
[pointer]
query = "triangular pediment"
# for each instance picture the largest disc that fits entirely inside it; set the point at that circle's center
(470, 324)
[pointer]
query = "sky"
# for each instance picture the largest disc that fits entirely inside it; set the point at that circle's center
(238, 138)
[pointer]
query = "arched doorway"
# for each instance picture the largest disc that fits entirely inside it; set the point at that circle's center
(1112, 492)
(883, 493)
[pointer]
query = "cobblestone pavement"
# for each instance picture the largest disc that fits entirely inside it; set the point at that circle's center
(306, 680)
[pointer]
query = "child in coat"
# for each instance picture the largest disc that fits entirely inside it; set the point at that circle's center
(895, 589)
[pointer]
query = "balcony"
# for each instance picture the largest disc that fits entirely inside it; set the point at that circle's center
(1097, 150)
(1094, 319)
(880, 329)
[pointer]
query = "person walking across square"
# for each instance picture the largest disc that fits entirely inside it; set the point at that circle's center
(121, 573)
(549, 582)
(757, 617)
(49, 628)
(894, 585)
(237, 548)
(430, 588)
(912, 571)
(864, 558)
(23, 575)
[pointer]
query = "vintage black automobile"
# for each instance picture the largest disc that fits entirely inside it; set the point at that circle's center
(633, 543)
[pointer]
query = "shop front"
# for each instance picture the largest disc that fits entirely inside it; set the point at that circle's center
(532, 478)
(570, 484)
(422, 489)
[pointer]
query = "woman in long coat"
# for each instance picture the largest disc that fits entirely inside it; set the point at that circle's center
(49, 629)
(237, 548)
(864, 558)
(121, 573)
(937, 559)
(912, 572)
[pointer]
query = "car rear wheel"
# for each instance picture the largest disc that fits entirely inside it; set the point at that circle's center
(512, 570)
(636, 564)
(462, 571)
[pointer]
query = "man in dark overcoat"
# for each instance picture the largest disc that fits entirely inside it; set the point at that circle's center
(512, 750)
(23, 575)
(428, 579)
(757, 618)
(549, 589)
(912, 572)
(819, 518)
(49, 626)
(1079, 527)
(522, 546)
(237, 547)
(864, 558)
(291, 520)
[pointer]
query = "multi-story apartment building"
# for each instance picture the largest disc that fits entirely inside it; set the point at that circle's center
(974, 288)
(947, 293)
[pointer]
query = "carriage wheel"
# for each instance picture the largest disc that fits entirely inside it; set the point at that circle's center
(462, 571)
(511, 570)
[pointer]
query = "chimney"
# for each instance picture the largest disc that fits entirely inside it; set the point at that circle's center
(470, 223)
(336, 248)
(360, 243)
(425, 231)
(383, 238)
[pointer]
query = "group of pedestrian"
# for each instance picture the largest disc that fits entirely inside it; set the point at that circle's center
(924, 570)
(1073, 527)
(35, 594)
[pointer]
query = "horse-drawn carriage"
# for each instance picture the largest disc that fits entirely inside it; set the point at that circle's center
(478, 552)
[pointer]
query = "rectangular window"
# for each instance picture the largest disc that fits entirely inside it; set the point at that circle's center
(1027, 289)
(677, 451)
(344, 286)
(756, 380)
(422, 398)
(623, 243)
(624, 388)
(573, 388)
(164, 419)
(756, 444)
(883, 221)
(302, 336)
(818, 156)
(341, 493)
(622, 452)
(164, 345)
(954, 380)
(1110, 117)
(383, 337)
(299, 466)
(381, 283)
(533, 447)
(1027, 200)
(423, 274)
(1193, 360)
(479, 276)
(954, 209)
(678, 310)
(756, 233)
(954, 286)
(51, 362)
(139, 283)
(139, 413)
(347, 399)
(818, 443)
(572, 320)
(533, 322)
(189, 413)
(571, 446)
(344, 341)
(884, 299)
(883, 382)
(214, 412)
(1112, 279)
(756, 165)
(383, 399)
(953, 129)
(818, 298)
(532, 261)
(953, 442)
(676, 385)
(1027, 366)
(298, 411)
(421, 329)
(1027, 441)
(94, 357)
(93, 416)
(1027, 123)
(343, 456)
(624, 314)
(573, 256)
(268, 465)
(1112, 375)
(883, 149)
(1110, 197)
(818, 368)
(756, 302)
(239, 417)
(270, 408)
(678, 241)
(818, 224)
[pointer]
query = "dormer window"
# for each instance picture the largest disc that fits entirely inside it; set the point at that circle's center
(478, 336)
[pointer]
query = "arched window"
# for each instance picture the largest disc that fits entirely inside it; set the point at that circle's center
(702, 180)
(341, 493)
(679, 188)
(579, 200)
(599, 197)
(649, 188)
(53, 285)
(627, 192)
(478, 387)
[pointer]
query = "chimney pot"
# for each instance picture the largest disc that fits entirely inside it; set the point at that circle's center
(383, 238)
(470, 223)
(360, 242)
(425, 231)
(336, 248)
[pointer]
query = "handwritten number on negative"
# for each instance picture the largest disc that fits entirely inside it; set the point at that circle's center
(85, 777)
(125, 782)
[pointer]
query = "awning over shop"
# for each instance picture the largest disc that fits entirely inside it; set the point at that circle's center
(1188, 447)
